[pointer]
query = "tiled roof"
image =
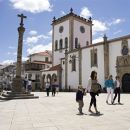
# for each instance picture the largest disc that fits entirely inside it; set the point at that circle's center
(57, 67)
(44, 53)
(41, 62)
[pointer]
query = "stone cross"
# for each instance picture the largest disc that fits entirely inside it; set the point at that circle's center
(22, 17)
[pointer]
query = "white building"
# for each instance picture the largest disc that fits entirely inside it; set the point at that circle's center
(37, 61)
(74, 56)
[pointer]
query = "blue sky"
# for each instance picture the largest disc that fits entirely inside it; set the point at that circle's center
(109, 17)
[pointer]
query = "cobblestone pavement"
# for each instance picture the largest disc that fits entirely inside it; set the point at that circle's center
(60, 113)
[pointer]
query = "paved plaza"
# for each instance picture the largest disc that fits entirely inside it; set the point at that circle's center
(60, 113)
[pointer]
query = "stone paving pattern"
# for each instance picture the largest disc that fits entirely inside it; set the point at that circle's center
(60, 113)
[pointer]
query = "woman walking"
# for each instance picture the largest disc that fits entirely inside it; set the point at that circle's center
(117, 89)
(109, 84)
(92, 88)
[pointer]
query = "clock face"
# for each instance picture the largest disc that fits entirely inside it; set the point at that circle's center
(61, 28)
(125, 50)
(82, 29)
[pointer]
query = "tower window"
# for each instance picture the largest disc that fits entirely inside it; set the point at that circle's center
(73, 63)
(94, 57)
(66, 42)
(61, 44)
(56, 45)
(76, 42)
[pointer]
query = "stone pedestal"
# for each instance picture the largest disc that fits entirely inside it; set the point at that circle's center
(17, 85)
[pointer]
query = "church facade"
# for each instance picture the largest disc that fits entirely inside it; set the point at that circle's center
(74, 56)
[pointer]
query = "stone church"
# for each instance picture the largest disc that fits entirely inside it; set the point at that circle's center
(74, 55)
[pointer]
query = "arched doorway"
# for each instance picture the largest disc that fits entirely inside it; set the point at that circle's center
(54, 77)
(126, 82)
(48, 78)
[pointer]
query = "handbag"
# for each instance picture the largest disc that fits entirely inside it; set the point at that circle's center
(95, 87)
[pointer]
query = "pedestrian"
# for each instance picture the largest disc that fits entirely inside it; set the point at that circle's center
(57, 88)
(93, 89)
(47, 86)
(79, 98)
(54, 84)
(117, 85)
(29, 85)
(109, 84)
(25, 81)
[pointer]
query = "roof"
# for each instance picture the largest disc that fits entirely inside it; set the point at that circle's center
(39, 62)
(71, 14)
(56, 67)
(44, 53)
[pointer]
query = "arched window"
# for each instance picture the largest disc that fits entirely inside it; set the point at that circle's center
(73, 63)
(76, 42)
(61, 44)
(66, 42)
(56, 45)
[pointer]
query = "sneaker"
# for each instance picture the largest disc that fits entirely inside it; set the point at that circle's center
(97, 112)
(112, 102)
(81, 113)
(90, 111)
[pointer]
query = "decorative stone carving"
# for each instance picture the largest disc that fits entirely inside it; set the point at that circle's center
(124, 50)
(122, 65)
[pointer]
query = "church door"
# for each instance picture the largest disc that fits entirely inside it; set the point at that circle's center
(126, 82)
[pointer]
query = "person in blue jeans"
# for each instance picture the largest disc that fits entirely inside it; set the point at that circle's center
(109, 84)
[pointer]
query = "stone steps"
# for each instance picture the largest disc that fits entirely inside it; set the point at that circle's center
(15, 95)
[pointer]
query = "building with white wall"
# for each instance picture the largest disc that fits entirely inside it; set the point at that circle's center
(74, 56)
(37, 61)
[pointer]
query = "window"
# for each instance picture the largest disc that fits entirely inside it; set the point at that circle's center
(37, 77)
(56, 45)
(29, 76)
(66, 42)
(73, 63)
(76, 42)
(61, 28)
(82, 29)
(46, 59)
(94, 57)
(61, 44)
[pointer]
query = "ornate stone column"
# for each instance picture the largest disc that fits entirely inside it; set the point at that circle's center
(17, 81)
(106, 58)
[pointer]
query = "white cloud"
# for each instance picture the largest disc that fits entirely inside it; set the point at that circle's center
(12, 47)
(99, 39)
(39, 48)
(85, 12)
(99, 26)
(50, 33)
(115, 21)
(63, 13)
(33, 6)
(24, 58)
(7, 62)
(117, 32)
(12, 53)
(35, 39)
(33, 32)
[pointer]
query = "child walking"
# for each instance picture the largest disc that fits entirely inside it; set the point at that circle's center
(79, 98)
